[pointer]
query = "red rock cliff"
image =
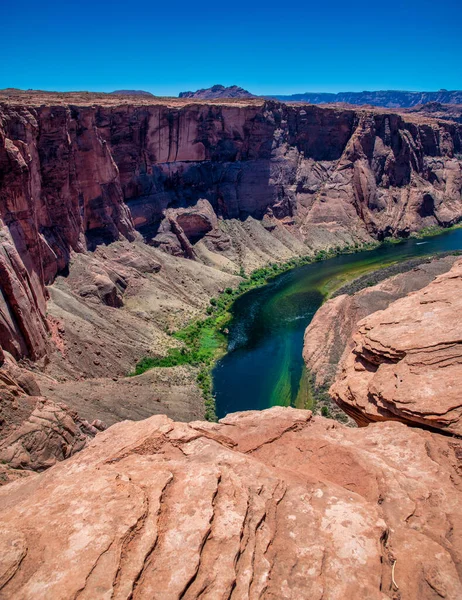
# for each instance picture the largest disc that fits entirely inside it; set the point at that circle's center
(73, 176)
(59, 191)
(405, 362)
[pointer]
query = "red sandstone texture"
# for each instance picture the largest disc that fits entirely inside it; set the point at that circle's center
(35, 432)
(273, 504)
(328, 337)
(59, 192)
(406, 361)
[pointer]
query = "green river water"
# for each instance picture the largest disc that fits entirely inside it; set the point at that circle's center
(263, 366)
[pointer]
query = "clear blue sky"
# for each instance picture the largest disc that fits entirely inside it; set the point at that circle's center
(284, 47)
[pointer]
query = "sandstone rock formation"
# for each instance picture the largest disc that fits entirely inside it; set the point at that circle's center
(328, 337)
(272, 504)
(59, 191)
(35, 432)
(23, 325)
(263, 505)
(230, 184)
(406, 361)
(50, 434)
(329, 172)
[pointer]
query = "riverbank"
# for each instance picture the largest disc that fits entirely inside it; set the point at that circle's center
(434, 230)
(376, 276)
(204, 341)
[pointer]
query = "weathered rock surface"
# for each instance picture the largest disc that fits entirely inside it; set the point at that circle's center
(272, 504)
(50, 434)
(328, 336)
(406, 361)
(332, 172)
(23, 325)
(35, 432)
(59, 191)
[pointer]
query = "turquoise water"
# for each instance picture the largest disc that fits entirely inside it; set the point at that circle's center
(263, 366)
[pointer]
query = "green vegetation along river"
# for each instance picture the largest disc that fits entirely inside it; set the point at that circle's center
(263, 366)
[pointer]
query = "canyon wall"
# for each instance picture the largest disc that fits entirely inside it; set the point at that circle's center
(354, 171)
(59, 192)
(190, 176)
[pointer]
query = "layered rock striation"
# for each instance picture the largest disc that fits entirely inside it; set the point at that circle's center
(328, 338)
(272, 504)
(405, 363)
(212, 182)
(59, 192)
(35, 432)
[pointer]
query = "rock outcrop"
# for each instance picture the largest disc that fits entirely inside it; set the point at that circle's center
(35, 432)
(406, 361)
(328, 337)
(272, 504)
(50, 434)
(23, 324)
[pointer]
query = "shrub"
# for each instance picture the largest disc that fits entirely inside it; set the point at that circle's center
(325, 411)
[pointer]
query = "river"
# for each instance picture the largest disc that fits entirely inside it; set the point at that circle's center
(263, 366)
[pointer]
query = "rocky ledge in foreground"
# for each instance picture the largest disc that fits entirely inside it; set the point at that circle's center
(406, 361)
(273, 504)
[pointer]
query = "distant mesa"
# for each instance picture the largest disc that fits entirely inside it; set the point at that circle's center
(132, 93)
(443, 104)
(218, 91)
(386, 98)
